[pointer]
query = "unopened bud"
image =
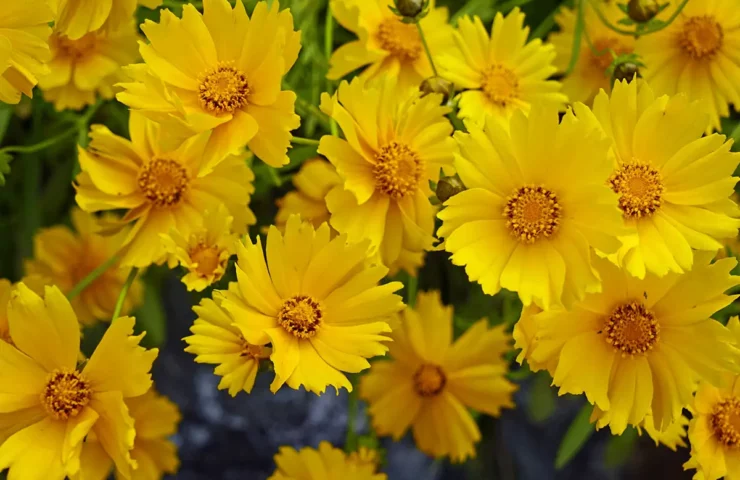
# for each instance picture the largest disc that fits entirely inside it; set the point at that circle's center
(642, 11)
(437, 85)
(409, 8)
(625, 71)
(448, 187)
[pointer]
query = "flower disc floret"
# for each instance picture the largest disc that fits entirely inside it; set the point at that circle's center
(163, 181)
(640, 187)
(301, 316)
(725, 421)
(632, 329)
(223, 90)
(701, 36)
(429, 380)
(500, 85)
(400, 39)
(66, 393)
(398, 170)
(531, 212)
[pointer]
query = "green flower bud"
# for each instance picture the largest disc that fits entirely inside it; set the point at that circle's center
(410, 8)
(642, 11)
(437, 85)
(625, 71)
(447, 187)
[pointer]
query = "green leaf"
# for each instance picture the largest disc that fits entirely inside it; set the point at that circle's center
(626, 21)
(624, 8)
(542, 397)
(575, 438)
(150, 317)
(6, 113)
(5, 159)
(620, 447)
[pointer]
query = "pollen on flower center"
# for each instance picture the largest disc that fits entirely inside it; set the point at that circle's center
(223, 90)
(73, 49)
(255, 351)
(640, 189)
(632, 329)
(532, 212)
(500, 85)
(66, 393)
(163, 181)
(429, 380)
(400, 39)
(605, 46)
(701, 36)
(301, 315)
(398, 170)
(725, 421)
(207, 258)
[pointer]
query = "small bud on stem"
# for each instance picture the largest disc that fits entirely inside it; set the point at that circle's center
(437, 85)
(448, 187)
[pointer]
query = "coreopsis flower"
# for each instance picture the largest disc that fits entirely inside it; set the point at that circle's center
(54, 402)
(536, 202)
(75, 18)
(82, 69)
(672, 437)
(500, 73)
(24, 47)
(387, 47)
(220, 71)
(395, 143)
(323, 463)
(206, 252)
(674, 185)
(590, 72)
(162, 188)
(431, 380)
(312, 182)
(648, 342)
(216, 340)
(699, 55)
(319, 305)
(64, 257)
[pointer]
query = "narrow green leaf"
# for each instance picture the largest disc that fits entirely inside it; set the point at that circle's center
(541, 402)
(151, 318)
(6, 113)
(5, 159)
(575, 438)
(620, 448)
(577, 33)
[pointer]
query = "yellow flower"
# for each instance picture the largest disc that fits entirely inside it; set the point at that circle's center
(220, 71)
(673, 184)
(63, 257)
(160, 187)
(386, 46)
(24, 47)
(672, 437)
(325, 463)
(318, 305)
(699, 55)
(395, 143)
(50, 403)
(535, 204)
(648, 342)
(312, 182)
(501, 73)
(431, 382)
(84, 68)
(75, 18)
(216, 340)
(525, 340)
(589, 75)
(206, 252)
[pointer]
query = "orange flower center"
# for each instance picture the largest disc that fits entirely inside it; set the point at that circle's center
(398, 170)
(400, 39)
(725, 421)
(532, 212)
(603, 46)
(500, 85)
(207, 258)
(301, 316)
(429, 380)
(363, 457)
(632, 329)
(74, 49)
(163, 181)
(701, 36)
(66, 393)
(640, 189)
(223, 90)
(257, 352)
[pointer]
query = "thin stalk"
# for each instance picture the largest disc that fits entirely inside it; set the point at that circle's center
(304, 141)
(91, 277)
(328, 50)
(426, 48)
(31, 212)
(636, 33)
(41, 145)
(545, 26)
(124, 291)
(576, 49)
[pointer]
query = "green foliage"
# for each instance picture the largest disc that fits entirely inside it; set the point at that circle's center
(575, 438)
(620, 447)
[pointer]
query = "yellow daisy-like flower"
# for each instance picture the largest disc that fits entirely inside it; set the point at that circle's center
(699, 55)
(24, 47)
(75, 18)
(326, 463)
(49, 403)
(160, 187)
(395, 143)
(674, 185)
(648, 342)
(216, 340)
(220, 71)
(431, 381)
(536, 202)
(64, 257)
(589, 75)
(312, 182)
(387, 46)
(206, 252)
(82, 69)
(319, 305)
(672, 437)
(500, 73)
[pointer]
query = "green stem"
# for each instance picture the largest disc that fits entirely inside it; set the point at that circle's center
(91, 277)
(328, 50)
(426, 48)
(636, 33)
(274, 176)
(576, 49)
(31, 210)
(41, 145)
(124, 292)
(412, 285)
(304, 141)
(545, 26)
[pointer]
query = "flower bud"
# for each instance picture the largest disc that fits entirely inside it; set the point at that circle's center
(437, 85)
(448, 187)
(409, 8)
(625, 71)
(642, 11)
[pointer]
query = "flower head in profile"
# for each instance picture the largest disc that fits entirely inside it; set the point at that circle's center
(64, 257)
(24, 47)
(674, 185)
(320, 464)
(697, 55)
(220, 72)
(76, 18)
(500, 73)
(316, 301)
(51, 403)
(431, 381)
(648, 342)
(313, 182)
(536, 203)
(161, 188)
(387, 47)
(395, 143)
(217, 340)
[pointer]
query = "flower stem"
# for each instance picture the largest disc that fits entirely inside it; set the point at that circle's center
(41, 145)
(426, 48)
(124, 292)
(304, 141)
(637, 33)
(328, 50)
(91, 277)
(575, 51)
